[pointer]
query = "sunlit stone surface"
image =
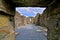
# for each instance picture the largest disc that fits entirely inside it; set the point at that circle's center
(29, 32)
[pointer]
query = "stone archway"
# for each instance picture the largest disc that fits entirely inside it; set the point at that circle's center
(53, 8)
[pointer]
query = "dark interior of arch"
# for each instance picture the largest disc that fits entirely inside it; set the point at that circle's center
(29, 3)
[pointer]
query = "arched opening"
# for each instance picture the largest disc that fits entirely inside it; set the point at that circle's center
(50, 18)
(29, 19)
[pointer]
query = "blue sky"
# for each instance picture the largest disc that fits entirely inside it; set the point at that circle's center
(29, 11)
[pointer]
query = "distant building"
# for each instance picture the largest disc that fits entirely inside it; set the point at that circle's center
(19, 20)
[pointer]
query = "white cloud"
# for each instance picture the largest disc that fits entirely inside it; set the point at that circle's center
(34, 10)
(28, 10)
(23, 8)
(21, 14)
(26, 15)
(37, 12)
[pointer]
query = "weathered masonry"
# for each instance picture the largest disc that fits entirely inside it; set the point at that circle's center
(51, 20)
(19, 19)
(6, 21)
(51, 17)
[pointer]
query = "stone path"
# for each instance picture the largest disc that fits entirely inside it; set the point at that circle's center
(31, 32)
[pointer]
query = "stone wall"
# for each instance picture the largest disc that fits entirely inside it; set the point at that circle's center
(51, 20)
(27, 20)
(37, 19)
(19, 20)
(33, 20)
(6, 21)
(53, 23)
